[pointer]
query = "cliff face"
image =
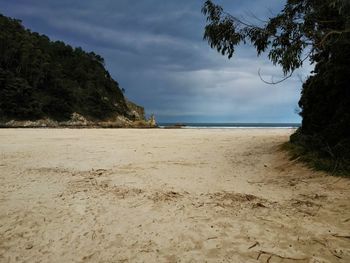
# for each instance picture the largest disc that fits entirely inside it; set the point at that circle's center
(50, 83)
(136, 112)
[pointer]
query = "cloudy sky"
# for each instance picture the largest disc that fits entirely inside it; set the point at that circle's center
(155, 50)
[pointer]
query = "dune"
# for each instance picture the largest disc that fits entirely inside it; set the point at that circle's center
(176, 195)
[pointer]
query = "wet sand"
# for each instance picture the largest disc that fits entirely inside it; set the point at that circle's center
(121, 195)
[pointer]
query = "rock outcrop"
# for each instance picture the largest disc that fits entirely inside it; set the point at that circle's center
(79, 121)
(136, 112)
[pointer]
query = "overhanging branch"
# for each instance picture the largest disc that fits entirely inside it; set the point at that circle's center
(273, 82)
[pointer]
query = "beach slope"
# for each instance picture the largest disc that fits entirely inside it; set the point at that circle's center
(181, 195)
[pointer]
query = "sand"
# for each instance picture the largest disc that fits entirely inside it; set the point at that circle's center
(121, 195)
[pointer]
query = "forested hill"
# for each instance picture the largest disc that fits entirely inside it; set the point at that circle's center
(40, 79)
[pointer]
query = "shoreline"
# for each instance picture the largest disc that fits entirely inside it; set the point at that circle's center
(76, 127)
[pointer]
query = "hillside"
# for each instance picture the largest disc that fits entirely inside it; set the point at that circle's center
(43, 79)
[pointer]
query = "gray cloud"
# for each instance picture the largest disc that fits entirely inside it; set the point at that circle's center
(154, 49)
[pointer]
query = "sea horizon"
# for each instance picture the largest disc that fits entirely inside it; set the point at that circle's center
(226, 125)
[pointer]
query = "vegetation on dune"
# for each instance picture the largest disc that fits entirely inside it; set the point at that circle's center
(40, 78)
(304, 29)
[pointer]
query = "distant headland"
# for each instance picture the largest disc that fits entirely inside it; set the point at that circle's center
(48, 83)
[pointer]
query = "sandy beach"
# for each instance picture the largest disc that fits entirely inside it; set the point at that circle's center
(157, 195)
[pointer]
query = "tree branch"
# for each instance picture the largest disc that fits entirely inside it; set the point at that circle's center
(332, 33)
(272, 82)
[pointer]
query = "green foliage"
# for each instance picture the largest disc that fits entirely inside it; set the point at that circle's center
(316, 159)
(322, 30)
(41, 78)
(302, 24)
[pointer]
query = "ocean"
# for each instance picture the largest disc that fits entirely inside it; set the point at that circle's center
(228, 125)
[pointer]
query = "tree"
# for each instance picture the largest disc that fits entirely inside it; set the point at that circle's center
(40, 78)
(304, 29)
